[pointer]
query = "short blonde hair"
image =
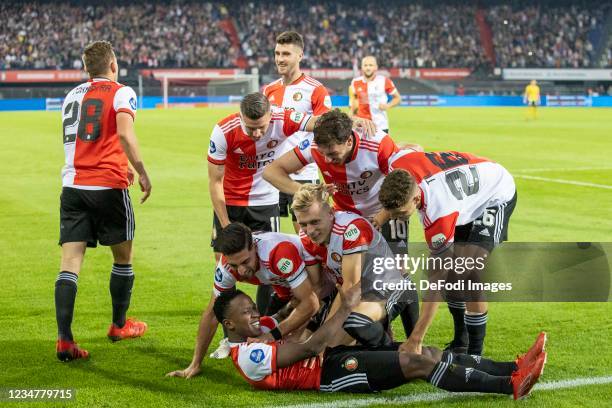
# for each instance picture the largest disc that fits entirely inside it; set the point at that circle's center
(308, 194)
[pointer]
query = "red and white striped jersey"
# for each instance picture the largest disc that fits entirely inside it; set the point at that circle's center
(359, 179)
(370, 94)
(256, 362)
(94, 156)
(306, 95)
(245, 159)
(455, 190)
(281, 264)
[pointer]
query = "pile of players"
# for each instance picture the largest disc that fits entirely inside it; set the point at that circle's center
(319, 322)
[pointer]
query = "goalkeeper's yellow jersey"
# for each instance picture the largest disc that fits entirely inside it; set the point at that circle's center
(532, 92)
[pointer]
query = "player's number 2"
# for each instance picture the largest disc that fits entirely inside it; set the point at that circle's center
(462, 183)
(87, 124)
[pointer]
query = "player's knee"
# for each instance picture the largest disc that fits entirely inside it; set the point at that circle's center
(122, 253)
(416, 366)
(366, 331)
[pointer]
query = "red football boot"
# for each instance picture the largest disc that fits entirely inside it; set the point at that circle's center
(132, 328)
(68, 350)
(525, 360)
(524, 380)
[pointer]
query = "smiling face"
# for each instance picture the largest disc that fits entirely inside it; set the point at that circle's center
(405, 211)
(242, 319)
(316, 221)
(244, 262)
(287, 58)
(337, 154)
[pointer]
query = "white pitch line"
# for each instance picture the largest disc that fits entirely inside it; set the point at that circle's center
(440, 396)
(561, 169)
(560, 181)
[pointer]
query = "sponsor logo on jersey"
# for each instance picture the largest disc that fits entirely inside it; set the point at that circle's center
(350, 364)
(133, 103)
(218, 275)
(297, 96)
(366, 174)
(272, 144)
(438, 240)
(336, 257)
(352, 233)
(213, 147)
(304, 144)
(285, 266)
(327, 102)
(296, 116)
(257, 356)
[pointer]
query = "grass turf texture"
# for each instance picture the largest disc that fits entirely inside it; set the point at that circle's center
(174, 264)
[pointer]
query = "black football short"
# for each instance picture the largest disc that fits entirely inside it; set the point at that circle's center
(285, 200)
(490, 229)
(359, 369)
(92, 216)
(395, 233)
(259, 218)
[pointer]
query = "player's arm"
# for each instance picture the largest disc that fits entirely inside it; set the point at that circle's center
(277, 173)
(216, 172)
(307, 306)
(290, 353)
(353, 102)
(396, 98)
(127, 137)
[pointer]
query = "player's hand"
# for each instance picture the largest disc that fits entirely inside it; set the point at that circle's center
(130, 176)
(145, 187)
(380, 219)
(383, 106)
(411, 146)
(264, 338)
(411, 345)
(366, 125)
(310, 362)
(331, 188)
(350, 297)
(190, 372)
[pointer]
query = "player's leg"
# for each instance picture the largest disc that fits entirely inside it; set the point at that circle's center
(366, 324)
(66, 287)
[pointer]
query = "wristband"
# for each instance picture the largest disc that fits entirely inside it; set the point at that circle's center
(276, 333)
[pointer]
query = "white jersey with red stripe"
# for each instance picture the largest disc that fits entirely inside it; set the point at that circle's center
(456, 188)
(370, 94)
(282, 262)
(94, 156)
(306, 95)
(256, 362)
(359, 179)
(245, 159)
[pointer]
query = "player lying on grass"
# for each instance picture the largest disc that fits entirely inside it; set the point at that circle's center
(268, 258)
(464, 203)
(345, 244)
(284, 365)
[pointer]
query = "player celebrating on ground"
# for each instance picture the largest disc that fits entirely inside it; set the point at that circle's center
(369, 94)
(345, 245)
(95, 205)
(460, 198)
(299, 92)
(284, 365)
(268, 258)
(531, 97)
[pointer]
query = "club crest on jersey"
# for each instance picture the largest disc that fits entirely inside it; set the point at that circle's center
(213, 147)
(366, 174)
(285, 266)
(304, 144)
(438, 240)
(272, 144)
(352, 233)
(297, 96)
(257, 356)
(133, 103)
(350, 364)
(218, 275)
(296, 116)
(336, 257)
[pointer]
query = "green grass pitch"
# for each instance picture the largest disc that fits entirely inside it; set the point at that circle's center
(174, 264)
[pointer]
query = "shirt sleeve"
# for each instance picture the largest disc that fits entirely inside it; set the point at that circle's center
(257, 360)
(286, 262)
(217, 149)
(304, 151)
(321, 101)
(386, 149)
(294, 121)
(224, 280)
(357, 237)
(440, 234)
(389, 86)
(125, 101)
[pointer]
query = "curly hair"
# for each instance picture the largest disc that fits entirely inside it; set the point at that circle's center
(396, 189)
(333, 128)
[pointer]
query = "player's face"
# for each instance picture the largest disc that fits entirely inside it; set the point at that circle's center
(369, 67)
(287, 58)
(243, 317)
(316, 222)
(245, 263)
(405, 211)
(337, 153)
(256, 128)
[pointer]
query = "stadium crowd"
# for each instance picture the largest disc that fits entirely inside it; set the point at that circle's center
(189, 34)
